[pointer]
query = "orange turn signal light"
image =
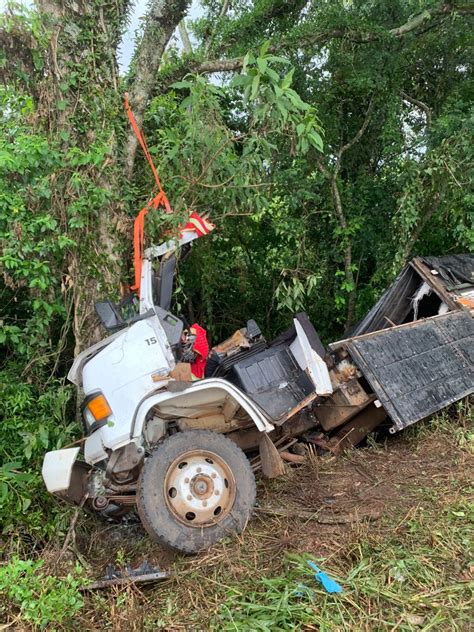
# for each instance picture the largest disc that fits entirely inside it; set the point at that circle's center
(99, 407)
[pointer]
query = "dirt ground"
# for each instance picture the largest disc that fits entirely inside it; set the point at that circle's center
(315, 506)
(402, 498)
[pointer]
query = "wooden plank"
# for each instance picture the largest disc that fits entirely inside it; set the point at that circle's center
(435, 282)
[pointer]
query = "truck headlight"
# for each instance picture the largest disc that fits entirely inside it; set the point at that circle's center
(95, 408)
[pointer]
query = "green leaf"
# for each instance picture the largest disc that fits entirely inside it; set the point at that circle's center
(278, 91)
(282, 109)
(248, 59)
(264, 48)
(181, 85)
(8, 467)
(296, 99)
(262, 65)
(255, 86)
(239, 80)
(280, 60)
(287, 79)
(274, 76)
(61, 105)
(3, 492)
(316, 140)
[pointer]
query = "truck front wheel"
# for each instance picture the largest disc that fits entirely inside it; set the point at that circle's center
(194, 489)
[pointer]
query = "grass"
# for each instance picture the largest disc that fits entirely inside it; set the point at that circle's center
(410, 576)
(409, 569)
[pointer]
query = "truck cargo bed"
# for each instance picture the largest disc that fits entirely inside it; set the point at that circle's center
(418, 368)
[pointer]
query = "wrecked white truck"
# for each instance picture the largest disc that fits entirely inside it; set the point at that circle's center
(163, 442)
(176, 447)
(169, 426)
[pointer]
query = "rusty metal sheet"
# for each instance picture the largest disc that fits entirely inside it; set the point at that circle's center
(272, 465)
(418, 368)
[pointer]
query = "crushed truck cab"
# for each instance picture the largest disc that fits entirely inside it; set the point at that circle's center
(172, 446)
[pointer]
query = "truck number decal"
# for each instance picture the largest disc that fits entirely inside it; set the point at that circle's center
(151, 341)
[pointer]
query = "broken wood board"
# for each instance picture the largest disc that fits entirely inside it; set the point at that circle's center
(418, 368)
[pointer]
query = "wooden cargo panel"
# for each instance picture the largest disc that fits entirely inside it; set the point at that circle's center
(418, 368)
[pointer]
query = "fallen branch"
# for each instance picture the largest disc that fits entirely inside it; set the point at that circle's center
(71, 533)
(292, 458)
(126, 581)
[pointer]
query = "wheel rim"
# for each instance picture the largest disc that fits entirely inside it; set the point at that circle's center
(199, 488)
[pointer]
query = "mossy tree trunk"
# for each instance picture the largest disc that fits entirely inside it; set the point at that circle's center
(80, 104)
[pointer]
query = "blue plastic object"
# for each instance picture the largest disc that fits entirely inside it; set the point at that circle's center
(327, 583)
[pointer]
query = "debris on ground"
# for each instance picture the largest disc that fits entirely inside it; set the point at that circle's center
(327, 583)
(145, 573)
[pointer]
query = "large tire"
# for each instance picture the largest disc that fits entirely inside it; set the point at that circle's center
(195, 488)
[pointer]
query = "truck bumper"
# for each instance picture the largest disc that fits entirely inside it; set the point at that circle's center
(64, 476)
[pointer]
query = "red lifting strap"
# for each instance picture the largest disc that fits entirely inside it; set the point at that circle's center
(158, 200)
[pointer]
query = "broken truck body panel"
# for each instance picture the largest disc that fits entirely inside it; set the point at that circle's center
(418, 368)
(427, 286)
(412, 351)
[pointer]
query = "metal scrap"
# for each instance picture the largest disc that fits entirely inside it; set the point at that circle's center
(116, 577)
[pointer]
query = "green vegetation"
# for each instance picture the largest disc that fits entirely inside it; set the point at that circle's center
(33, 421)
(407, 579)
(410, 568)
(36, 597)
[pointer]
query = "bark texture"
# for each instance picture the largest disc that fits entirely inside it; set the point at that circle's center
(162, 19)
(83, 41)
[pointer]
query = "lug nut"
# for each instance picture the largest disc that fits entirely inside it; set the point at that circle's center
(186, 480)
(190, 497)
(199, 469)
(217, 492)
(204, 503)
(213, 475)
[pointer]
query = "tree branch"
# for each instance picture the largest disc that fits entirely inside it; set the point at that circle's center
(361, 131)
(162, 19)
(310, 39)
(420, 105)
(222, 12)
(218, 65)
(183, 33)
(339, 210)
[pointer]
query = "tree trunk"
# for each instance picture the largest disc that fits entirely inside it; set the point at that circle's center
(79, 103)
(349, 274)
(162, 19)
